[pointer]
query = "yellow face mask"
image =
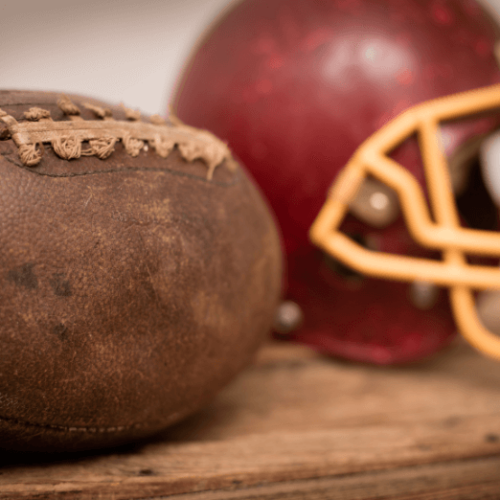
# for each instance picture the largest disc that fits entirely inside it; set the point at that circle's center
(437, 228)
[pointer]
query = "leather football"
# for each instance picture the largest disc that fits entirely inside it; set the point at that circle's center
(139, 270)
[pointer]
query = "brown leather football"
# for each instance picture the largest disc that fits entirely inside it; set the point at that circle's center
(139, 270)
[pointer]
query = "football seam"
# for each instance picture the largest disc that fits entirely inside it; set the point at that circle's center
(62, 428)
(234, 181)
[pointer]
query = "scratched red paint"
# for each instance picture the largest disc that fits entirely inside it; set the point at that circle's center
(483, 47)
(405, 77)
(442, 14)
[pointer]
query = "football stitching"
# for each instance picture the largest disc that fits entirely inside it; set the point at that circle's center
(67, 138)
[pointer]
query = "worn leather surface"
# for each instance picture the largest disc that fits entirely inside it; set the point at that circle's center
(131, 289)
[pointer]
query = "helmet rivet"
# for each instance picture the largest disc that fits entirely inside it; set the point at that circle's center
(379, 201)
(423, 295)
(288, 318)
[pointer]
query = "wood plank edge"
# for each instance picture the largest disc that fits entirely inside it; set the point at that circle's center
(477, 478)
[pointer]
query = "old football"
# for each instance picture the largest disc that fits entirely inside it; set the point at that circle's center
(139, 268)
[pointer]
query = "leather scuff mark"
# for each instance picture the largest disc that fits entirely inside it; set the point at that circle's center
(102, 134)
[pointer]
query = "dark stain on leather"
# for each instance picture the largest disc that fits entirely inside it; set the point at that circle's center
(60, 285)
(61, 331)
(24, 276)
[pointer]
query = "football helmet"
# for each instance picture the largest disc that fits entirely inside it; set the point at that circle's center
(296, 87)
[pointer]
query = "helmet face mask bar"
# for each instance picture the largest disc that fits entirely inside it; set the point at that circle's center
(441, 231)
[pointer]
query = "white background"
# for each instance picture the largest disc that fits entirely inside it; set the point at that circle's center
(128, 51)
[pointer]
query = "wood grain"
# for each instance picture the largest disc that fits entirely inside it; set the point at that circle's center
(472, 479)
(297, 425)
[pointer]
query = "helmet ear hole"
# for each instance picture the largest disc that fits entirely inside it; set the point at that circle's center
(341, 269)
(474, 203)
(462, 162)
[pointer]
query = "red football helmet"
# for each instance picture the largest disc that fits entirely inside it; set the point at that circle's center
(295, 87)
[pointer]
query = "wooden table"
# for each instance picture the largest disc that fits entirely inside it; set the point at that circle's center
(296, 425)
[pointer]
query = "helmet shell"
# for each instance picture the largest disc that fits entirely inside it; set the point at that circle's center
(295, 86)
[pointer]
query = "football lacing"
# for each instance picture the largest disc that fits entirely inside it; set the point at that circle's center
(67, 137)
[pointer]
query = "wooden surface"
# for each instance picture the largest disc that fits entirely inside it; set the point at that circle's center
(296, 425)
